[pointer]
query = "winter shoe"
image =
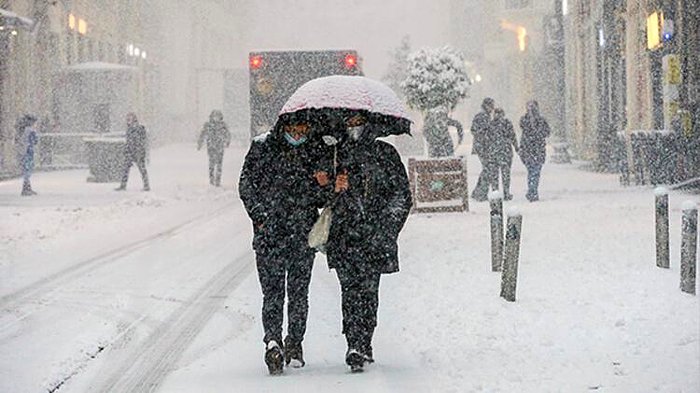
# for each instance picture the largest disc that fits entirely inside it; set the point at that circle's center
(355, 360)
(120, 188)
(294, 354)
(146, 188)
(368, 355)
(27, 189)
(274, 358)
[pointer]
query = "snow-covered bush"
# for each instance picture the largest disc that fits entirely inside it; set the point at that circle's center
(436, 78)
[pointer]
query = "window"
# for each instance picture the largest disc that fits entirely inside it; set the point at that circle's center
(516, 4)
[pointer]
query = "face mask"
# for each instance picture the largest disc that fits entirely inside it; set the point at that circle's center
(294, 142)
(355, 132)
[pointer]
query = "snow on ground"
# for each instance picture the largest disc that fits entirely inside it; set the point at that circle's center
(593, 312)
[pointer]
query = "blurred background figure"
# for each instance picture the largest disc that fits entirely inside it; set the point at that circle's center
(534, 130)
(135, 151)
(437, 135)
(504, 141)
(26, 139)
(217, 137)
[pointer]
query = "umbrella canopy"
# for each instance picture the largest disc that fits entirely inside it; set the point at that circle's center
(355, 93)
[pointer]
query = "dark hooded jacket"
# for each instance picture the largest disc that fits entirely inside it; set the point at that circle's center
(481, 131)
(279, 192)
(216, 135)
(532, 141)
(368, 217)
(136, 142)
(504, 139)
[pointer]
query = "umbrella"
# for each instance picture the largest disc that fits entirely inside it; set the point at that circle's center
(333, 95)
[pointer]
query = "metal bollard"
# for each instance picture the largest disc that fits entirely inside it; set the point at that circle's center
(509, 277)
(662, 233)
(496, 203)
(689, 247)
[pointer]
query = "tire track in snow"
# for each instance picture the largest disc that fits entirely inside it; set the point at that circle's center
(53, 281)
(151, 361)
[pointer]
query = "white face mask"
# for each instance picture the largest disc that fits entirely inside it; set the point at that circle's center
(355, 132)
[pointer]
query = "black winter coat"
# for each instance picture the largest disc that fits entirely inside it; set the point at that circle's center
(504, 140)
(368, 217)
(280, 193)
(216, 135)
(481, 131)
(136, 142)
(532, 141)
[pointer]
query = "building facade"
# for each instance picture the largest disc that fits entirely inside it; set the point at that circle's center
(631, 65)
(177, 49)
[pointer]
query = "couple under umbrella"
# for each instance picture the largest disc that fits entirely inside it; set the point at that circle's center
(323, 153)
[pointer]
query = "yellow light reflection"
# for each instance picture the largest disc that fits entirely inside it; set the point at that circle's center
(520, 31)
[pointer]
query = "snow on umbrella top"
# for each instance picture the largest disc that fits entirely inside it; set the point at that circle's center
(346, 92)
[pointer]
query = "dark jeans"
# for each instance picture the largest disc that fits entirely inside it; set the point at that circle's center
(360, 302)
(503, 168)
(488, 178)
(216, 159)
(533, 181)
(274, 270)
(141, 164)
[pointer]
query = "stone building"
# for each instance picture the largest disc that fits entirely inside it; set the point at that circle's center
(616, 79)
(175, 48)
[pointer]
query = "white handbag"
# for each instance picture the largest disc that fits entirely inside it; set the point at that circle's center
(318, 236)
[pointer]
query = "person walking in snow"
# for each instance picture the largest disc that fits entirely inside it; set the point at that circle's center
(534, 131)
(217, 137)
(26, 139)
(504, 141)
(135, 151)
(482, 146)
(371, 203)
(282, 197)
(436, 132)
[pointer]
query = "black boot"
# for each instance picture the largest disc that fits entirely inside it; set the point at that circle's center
(293, 353)
(274, 358)
(355, 360)
(27, 189)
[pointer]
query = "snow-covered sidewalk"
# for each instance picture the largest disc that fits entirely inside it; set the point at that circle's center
(593, 312)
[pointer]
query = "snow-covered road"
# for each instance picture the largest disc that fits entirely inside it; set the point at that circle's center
(130, 292)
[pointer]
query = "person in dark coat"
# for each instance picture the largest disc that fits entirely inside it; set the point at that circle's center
(533, 152)
(282, 197)
(217, 137)
(371, 203)
(482, 146)
(437, 135)
(135, 151)
(504, 141)
(26, 139)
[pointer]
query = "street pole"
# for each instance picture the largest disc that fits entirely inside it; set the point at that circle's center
(689, 247)
(509, 278)
(662, 232)
(496, 204)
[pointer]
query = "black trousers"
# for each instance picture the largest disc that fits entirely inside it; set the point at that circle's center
(504, 167)
(360, 302)
(275, 269)
(216, 159)
(488, 178)
(141, 164)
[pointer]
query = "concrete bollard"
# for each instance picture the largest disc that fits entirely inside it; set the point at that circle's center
(509, 277)
(689, 247)
(496, 202)
(662, 233)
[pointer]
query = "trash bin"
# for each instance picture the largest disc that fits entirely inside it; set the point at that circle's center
(105, 158)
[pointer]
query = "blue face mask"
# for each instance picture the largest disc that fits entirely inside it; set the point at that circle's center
(294, 142)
